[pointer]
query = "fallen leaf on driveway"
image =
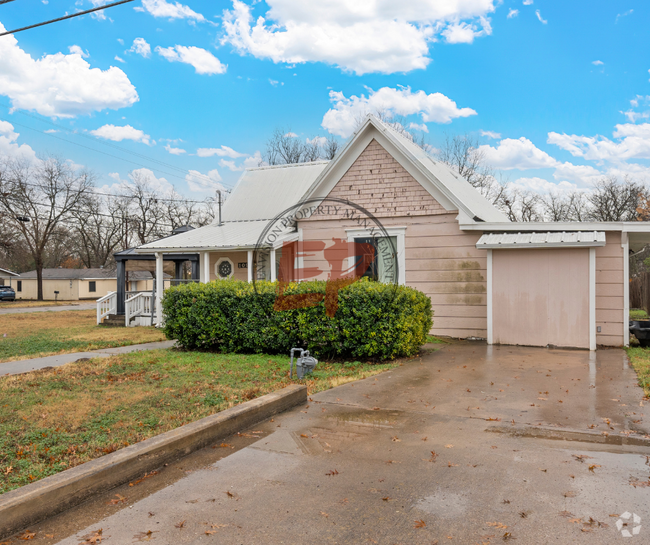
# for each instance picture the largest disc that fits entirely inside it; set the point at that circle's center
(420, 524)
(332, 472)
(449, 446)
(180, 524)
(395, 439)
(567, 514)
(386, 498)
(27, 535)
(592, 467)
(569, 494)
(449, 464)
(324, 514)
(118, 499)
(376, 409)
(144, 536)
(93, 538)
(493, 419)
(499, 525)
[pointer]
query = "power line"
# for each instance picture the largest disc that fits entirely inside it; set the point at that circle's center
(107, 154)
(65, 17)
(141, 156)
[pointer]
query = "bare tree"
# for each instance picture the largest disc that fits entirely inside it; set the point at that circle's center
(285, 148)
(37, 199)
(612, 200)
(330, 148)
(98, 229)
(462, 153)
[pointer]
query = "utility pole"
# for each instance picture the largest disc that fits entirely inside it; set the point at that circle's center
(219, 200)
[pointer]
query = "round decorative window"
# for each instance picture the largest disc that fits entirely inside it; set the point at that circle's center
(224, 268)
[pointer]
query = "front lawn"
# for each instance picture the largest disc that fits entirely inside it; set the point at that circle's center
(640, 360)
(51, 420)
(31, 335)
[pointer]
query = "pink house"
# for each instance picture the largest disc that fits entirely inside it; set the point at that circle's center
(538, 284)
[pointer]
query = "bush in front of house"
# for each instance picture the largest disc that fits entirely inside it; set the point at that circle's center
(373, 320)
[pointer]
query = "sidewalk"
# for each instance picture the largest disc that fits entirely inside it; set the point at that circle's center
(80, 306)
(25, 366)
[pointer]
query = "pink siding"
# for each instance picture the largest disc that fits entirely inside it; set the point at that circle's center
(541, 297)
(610, 285)
(441, 260)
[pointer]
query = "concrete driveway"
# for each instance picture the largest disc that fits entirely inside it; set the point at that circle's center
(467, 444)
(58, 308)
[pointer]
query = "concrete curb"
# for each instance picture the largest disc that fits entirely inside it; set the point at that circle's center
(567, 434)
(47, 497)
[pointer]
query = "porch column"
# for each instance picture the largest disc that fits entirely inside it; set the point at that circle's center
(196, 270)
(160, 281)
(121, 286)
(206, 267)
(273, 274)
(250, 265)
(178, 270)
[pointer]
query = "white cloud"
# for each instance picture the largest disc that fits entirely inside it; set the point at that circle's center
(597, 63)
(360, 37)
(117, 134)
(223, 151)
(51, 131)
(623, 14)
(206, 183)
(60, 85)
(76, 50)
(540, 185)
(119, 59)
(253, 161)
(157, 185)
(513, 13)
(519, 154)
(202, 60)
(141, 47)
(174, 151)
(528, 2)
(491, 134)
(230, 165)
(419, 127)
(291, 135)
(539, 16)
(275, 82)
(10, 148)
(318, 140)
(633, 143)
(343, 117)
(161, 8)
(634, 116)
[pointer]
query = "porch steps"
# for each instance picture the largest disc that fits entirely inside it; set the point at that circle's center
(113, 320)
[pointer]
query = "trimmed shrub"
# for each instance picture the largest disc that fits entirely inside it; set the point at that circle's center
(373, 320)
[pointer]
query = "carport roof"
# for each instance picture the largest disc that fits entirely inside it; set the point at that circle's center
(549, 239)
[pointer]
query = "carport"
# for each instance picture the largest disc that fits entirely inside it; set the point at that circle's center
(541, 288)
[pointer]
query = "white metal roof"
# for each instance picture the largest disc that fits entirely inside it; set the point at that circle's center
(7, 272)
(549, 239)
(263, 193)
(229, 235)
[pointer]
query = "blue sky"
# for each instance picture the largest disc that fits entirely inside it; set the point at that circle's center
(557, 92)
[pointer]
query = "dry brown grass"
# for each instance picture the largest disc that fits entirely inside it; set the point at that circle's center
(32, 304)
(28, 335)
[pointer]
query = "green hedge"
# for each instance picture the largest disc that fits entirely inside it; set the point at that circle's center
(373, 320)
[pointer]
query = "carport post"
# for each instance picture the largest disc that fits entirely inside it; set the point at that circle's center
(489, 297)
(250, 265)
(160, 281)
(592, 298)
(625, 243)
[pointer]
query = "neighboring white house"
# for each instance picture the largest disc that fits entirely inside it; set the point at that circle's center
(540, 284)
(6, 277)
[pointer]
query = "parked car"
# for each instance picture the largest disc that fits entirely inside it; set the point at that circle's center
(7, 293)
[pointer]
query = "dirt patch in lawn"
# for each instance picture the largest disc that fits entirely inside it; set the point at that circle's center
(54, 419)
(37, 334)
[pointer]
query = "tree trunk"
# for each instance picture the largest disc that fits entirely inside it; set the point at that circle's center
(39, 279)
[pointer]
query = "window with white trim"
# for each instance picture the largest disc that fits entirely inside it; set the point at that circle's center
(383, 265)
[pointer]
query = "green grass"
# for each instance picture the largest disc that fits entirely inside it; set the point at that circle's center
(51, 420)
(436, 340)
(638, 314)
(640, 360)
(45, 333)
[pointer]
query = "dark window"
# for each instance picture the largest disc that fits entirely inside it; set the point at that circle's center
(19, 285)
(92, 286)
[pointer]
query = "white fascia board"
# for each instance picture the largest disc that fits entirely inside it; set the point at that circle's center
(291, 237)
(193, 250)
(526, 246)
(526, 226)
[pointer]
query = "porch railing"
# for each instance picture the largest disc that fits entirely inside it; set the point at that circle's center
(140, 304)
(106, 305)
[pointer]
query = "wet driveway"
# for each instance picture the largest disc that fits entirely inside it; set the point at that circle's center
(466, 444)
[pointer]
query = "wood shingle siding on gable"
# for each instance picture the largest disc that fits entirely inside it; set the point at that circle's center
(441, 260)
(380, 184)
